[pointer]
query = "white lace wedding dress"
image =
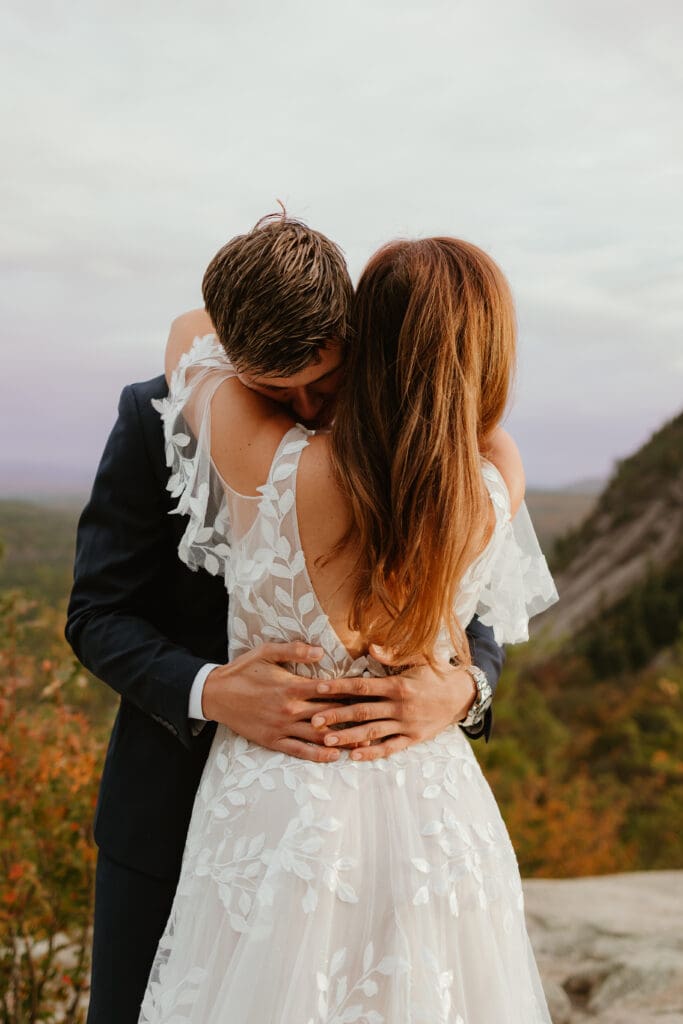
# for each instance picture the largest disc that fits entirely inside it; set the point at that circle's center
(383, 892)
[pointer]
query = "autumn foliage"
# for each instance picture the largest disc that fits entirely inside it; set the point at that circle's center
(49, 765)
(588, 771)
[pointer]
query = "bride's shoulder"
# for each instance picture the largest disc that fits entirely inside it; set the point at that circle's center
(246, 431)
(195, 323)
(193, 320)
(501, 450)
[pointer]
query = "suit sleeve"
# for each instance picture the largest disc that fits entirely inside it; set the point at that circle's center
(121, 544)
(489, 657)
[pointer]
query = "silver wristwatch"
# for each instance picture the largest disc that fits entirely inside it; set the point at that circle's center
(482, 701)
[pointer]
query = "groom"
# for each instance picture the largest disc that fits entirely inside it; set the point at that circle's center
(280, 299)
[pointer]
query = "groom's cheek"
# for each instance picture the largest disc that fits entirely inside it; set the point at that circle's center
(327, 409)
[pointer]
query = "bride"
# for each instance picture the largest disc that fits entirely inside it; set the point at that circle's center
(379, 891)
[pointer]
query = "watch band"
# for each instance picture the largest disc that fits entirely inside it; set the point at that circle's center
(482, 700)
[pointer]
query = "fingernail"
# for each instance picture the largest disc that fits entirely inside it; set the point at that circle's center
(318, 720)
(356, 755)
(316, 651)
(331, 740)
(323, 688)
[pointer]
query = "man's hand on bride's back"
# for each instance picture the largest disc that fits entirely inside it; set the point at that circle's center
(257, 697)
(399, 710)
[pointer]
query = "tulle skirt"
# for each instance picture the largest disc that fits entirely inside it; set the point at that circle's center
(384, 892)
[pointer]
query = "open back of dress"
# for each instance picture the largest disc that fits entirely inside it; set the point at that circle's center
(382, 892)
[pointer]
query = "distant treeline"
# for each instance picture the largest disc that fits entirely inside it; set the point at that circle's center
(39, 546)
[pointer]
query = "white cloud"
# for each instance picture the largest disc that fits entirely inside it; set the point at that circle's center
(143, 135)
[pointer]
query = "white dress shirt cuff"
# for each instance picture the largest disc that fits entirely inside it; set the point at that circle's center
(195, 705)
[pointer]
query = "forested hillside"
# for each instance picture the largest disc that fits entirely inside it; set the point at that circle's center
(626, 554)
(591, 713)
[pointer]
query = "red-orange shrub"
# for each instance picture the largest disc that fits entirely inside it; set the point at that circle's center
(49, 766)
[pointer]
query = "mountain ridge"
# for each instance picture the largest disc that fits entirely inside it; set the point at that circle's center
(634, 529)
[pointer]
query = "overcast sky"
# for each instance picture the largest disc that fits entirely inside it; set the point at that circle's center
(138, 137)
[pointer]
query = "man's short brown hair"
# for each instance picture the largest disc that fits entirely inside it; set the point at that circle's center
(277, 295)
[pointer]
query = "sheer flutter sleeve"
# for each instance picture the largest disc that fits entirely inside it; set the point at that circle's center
(194, 480)
(517, 581)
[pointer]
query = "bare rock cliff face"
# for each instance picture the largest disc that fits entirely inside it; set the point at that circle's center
(635, 527)
(610, 949)
(616, 559)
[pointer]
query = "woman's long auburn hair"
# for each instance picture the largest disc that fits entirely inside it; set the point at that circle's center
(428, 373)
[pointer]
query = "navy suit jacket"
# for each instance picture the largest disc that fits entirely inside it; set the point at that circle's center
(142, 622)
